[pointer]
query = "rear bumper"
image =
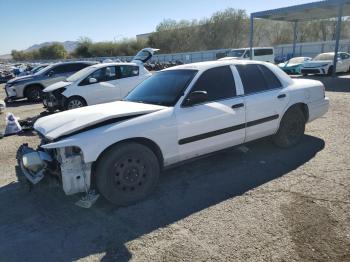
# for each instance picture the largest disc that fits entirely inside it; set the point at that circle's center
(318, 108)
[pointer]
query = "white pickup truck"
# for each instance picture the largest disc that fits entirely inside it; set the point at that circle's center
(119, 149)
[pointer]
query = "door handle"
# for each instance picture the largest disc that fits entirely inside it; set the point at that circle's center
(237, 105)
(281, 96)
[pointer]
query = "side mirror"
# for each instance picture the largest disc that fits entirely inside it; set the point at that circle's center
(196, 97)
(92, 80)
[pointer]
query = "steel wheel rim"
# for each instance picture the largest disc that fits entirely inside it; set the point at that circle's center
(130, 174)
(294, 130)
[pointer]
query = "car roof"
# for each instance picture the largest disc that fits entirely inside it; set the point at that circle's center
(75, 62)
(201, 66)
(100, 65)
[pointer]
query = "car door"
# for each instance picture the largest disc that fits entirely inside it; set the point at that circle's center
(215, 124)
(265, 100)
(101, 86)
(128, 78)
(344, 62)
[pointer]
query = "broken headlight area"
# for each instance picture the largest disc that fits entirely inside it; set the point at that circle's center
(65, 164)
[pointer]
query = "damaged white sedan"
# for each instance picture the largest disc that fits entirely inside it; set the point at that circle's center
(119, 149)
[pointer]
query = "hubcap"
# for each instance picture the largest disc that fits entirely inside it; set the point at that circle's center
(75, 104)
(129, 174)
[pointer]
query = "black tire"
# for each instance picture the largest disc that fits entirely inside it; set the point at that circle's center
(127, 173)
(75, 102)
(292, 128)
(330, 71)
(34, 93)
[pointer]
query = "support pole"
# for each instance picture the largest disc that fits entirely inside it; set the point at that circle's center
(337, 37)
(294, 36)
(251, 36)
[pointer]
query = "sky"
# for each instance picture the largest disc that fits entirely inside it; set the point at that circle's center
(27, 22)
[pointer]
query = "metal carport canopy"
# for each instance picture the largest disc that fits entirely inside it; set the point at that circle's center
(305, 12)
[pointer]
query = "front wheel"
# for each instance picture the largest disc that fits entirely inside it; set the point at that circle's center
(127, 173)
(292, 128)
(75, 102)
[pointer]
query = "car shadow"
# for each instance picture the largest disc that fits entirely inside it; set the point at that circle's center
(340, 83)
(21, 102)
(46, 224)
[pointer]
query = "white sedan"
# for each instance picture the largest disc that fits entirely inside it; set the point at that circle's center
(322, 64)
(119, 149)
(98, 84)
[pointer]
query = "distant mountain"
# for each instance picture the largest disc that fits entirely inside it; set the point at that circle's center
(5, 57)
(68, 45)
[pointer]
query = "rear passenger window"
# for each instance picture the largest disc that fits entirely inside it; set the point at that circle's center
(128, 71)
(271, 79)
(261, 52)
(218, 82)
(257, 78)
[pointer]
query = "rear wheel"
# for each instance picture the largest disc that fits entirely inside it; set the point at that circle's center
(33, 93)
(75, 102)
(292, 128)
(127, 173)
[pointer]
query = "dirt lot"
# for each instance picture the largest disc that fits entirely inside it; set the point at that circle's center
(266, 204)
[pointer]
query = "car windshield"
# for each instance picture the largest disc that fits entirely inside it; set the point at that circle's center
(38, 68)
(296, 60)
(322, 57)
(82, 73)
(163, 88)
(237, 52)
(43, 70)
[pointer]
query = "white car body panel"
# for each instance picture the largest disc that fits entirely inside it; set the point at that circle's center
(172, 128)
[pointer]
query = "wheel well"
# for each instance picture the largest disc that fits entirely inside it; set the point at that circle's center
(303, 107)
(30, 85)
(141, 140)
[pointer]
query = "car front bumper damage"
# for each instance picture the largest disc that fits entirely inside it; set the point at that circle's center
(64, 164)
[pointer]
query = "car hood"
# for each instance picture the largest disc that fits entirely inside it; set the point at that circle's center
(20, 79)
(75, 120)
(317, 63)
(56, 86)
(289, 64)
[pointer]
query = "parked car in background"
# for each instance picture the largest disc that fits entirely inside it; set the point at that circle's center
(177, 114)
(266, 54)
(294, 65)
(31, 86)
(322, 64)
(98, 84)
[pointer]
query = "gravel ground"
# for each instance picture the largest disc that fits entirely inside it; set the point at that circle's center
(266, 204)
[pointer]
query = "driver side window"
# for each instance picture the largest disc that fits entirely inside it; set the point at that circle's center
(344, 56)
(218, 82)
(101, 75)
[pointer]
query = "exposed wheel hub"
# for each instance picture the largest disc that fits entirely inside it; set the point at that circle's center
(130, 174)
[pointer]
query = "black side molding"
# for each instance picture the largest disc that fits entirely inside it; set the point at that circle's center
(226, 130)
